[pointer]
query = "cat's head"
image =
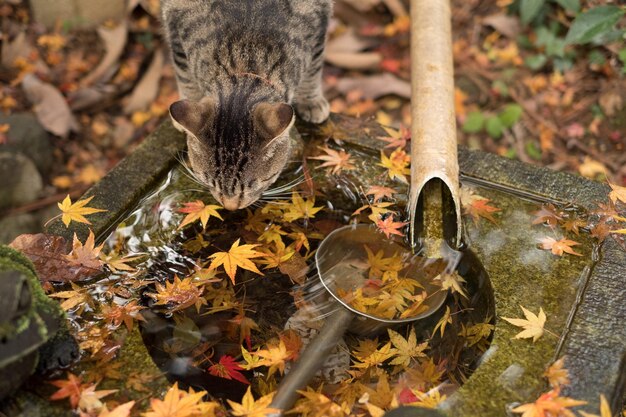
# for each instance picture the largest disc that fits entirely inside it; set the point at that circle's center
(236, 150)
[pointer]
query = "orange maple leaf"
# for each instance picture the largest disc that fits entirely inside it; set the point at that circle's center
(396, 138)
(180, 294)
(71, 388)
(397, 164)
(197, 210)
(180, 403)
(87, 254)
(557, 374)
(480, 207)
(122, 410)
(380, 192)
(389, 227)
(335, 161)
(559, 247)
(237, 256)
(549, 404)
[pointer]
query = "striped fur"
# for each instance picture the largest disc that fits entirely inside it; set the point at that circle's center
(232, 56)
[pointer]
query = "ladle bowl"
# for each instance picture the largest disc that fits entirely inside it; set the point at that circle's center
(341, 261)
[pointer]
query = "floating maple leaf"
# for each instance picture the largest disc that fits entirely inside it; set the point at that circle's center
(228, 368)
(549, 404)
(180, 403)
(574, 224)
(547, 214)
(116, 314)
(335, 161)
(532, 325)
(250, 407)
(480, 207)
(389, 227)
(180, 294)
(76, 211)
(378, 209)
(119, 263)
(86, 255)
(299, 208)
(237, 256)
(559, 247)
(379, 192)
(273, 357)
(397, 164)
(197, 210)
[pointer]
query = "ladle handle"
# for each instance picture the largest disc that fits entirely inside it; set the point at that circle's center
(311, 360)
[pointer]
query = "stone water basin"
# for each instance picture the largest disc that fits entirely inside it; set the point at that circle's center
(582, 296)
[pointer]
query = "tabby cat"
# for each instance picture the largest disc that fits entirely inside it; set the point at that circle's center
(240, 64)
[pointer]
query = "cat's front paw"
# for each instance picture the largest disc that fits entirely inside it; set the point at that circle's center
(314, 111)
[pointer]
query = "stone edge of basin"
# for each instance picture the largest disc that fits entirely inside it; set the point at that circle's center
(597, 320)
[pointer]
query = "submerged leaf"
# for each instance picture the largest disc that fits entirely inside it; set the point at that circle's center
(559, 247)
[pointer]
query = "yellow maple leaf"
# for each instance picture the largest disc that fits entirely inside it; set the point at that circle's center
(378, 209)
(237, 256)
(557, 374)
(299, 208)
(179, 294)
(443, 322)
(76, 211)
(198, 210)
(405, 349)
(532, 325)
(122, 410)
(605, 409)
(397, 164)
(250, 407)
(180, 403)
(316, 404)
(117, 263)
(374, 358)
(617, 193)
(273, 357)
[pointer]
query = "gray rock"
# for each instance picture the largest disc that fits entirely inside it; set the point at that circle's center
(27, 136)
(20, 182)
(13, 226)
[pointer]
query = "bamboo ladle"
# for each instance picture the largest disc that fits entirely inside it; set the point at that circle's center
(434, 205)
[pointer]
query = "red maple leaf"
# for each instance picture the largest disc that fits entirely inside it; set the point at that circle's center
(480, 208)
(228, 368)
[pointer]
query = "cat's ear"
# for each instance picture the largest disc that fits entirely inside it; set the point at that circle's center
(272, 119)
(190, 116)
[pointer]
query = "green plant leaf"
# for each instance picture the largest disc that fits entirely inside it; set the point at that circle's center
(529, 9)
(533, 151)
(494, 127)
(592, 23)
(474, 122)
(510, 115)
(569, 5)
(535, 62)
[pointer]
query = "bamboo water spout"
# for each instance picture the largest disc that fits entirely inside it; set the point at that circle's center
(434, 203)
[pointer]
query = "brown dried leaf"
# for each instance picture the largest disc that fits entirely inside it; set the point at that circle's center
(50, 106)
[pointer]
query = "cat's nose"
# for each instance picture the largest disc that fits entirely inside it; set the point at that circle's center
(230, 203)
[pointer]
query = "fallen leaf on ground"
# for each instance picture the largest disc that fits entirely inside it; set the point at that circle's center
(559, 247)
(549, 404)
(532, 325)
(147, 89)
(375, 86)
(617, 193)
(50, 106)
(556, 373)
(76, 211)
(478, 208)
(114, 40)
(397, 164)
(237, 256)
